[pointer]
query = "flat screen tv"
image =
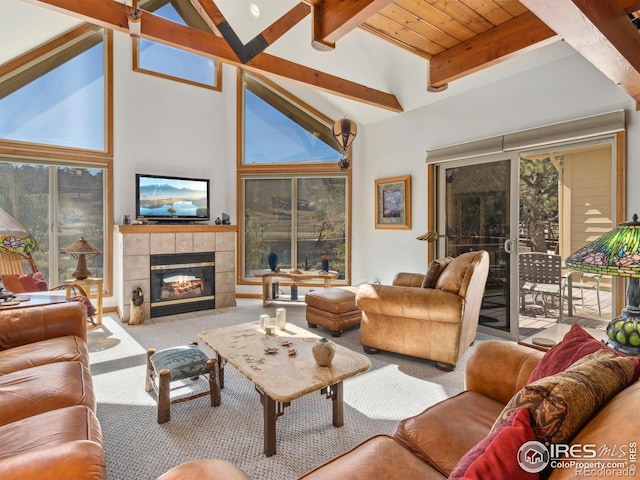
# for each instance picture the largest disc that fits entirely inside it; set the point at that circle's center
(172, 199)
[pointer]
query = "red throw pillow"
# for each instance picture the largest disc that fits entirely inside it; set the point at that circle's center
(12, 283)
(28, 283)
(496, 456)
(41, 281)
(576, 344)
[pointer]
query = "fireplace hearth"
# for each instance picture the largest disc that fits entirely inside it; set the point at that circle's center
(182, 282)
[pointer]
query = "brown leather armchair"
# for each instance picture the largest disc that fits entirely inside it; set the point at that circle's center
(436, 323)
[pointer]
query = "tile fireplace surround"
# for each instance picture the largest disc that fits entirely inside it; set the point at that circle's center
(134, 245)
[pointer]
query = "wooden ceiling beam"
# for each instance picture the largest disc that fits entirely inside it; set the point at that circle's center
(629, 5)
(212, 15)
(112, 15)
(601, 32)
(265, 63)
(333, 19)
(486, 49)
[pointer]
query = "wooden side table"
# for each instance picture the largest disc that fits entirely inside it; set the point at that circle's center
(554, 335)
(93, 287)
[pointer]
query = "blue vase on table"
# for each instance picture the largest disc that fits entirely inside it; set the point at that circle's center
(273, 261)
(325, 265)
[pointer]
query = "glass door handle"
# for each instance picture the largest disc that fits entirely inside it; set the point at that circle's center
(508, 245)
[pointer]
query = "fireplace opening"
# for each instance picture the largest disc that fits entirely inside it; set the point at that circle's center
(182, 282)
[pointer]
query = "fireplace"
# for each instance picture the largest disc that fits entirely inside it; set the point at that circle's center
(182, 282)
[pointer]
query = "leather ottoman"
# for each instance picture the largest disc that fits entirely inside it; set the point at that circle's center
(333, 308)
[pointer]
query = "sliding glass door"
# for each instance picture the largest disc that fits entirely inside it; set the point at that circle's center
(525, 206)
(57, 205)
(475, 214)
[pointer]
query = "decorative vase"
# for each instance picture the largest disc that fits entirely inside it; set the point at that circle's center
(273, 261)
(323, 351)
(325, 264)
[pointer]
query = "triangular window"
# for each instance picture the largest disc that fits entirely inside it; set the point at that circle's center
(59, 99)
(277, 131)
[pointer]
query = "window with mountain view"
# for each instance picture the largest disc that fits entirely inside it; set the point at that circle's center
(295, 198)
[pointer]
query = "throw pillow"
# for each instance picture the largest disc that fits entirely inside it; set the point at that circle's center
(560, 405)
(435, 269)
(28, 283)
(496, 455)
(12, 283)
(575, 345)
(41, 281)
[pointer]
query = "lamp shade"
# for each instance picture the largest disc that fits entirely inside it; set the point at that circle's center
(616, 253)
(429, 237)
(80, 249)
(81, 246)
(13, 236)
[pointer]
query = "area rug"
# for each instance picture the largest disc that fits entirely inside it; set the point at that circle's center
(137, 447)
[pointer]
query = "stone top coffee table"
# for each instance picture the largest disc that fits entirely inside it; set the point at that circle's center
(280, 377)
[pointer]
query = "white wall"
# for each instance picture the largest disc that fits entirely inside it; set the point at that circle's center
(562, 90)
(170, 128)
(166, 127)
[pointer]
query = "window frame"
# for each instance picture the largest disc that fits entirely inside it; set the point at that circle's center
(192, 18)
(33, 153)
(283, 170)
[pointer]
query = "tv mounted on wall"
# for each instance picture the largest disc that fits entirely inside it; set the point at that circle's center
(172, 199)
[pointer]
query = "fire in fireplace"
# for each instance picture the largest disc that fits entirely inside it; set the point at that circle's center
(182, 282)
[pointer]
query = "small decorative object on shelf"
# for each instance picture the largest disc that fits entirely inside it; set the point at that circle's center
(264, 321)
(323, 351)
(325, 263)
(294, 291)
(281, 318)
(273, 261)
(306, 264)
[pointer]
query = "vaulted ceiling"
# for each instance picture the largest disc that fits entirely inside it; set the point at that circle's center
(454, 38)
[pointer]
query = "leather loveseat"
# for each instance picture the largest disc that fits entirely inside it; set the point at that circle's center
(430, 445)
(48, 426)
(433, 316)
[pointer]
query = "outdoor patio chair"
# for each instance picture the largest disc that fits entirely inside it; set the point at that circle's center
(541, 275)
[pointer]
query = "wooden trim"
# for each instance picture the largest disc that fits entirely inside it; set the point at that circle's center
(621, 209)
(431, 210)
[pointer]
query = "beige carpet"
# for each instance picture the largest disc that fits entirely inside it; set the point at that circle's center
(139, 448)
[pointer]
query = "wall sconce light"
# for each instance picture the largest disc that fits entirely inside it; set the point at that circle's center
(79, 249)
(432, 237)
(134, 15)
(344, 131)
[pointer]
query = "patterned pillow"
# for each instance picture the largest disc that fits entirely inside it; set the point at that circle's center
(435, 269)
(562, 404)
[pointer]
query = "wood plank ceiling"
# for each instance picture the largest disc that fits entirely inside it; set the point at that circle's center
(456, 37)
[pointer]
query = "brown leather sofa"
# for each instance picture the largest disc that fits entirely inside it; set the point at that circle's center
(429, 445)
(48, 426)
(436, 323)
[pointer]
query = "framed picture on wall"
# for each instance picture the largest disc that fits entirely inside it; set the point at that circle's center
(393, 203)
